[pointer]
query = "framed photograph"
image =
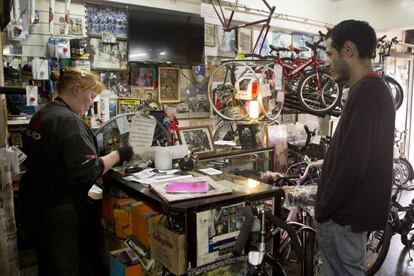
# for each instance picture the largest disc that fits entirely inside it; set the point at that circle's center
(142, 75)
(75, 25)
(226, 43)
(117, 83)
(108, 37)
(244, 40)
(168, 85)
(108, 56)
(128, 105)
(198, 139)
(247, 135)
(210, 35)
(101, 19)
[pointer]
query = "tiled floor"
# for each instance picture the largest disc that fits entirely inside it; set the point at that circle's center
(397, 262)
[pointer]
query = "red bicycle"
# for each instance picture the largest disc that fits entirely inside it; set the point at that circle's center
(306, 80)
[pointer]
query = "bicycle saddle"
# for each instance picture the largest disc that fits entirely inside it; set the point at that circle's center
(278, 49)
(297, 50)
(313, 46)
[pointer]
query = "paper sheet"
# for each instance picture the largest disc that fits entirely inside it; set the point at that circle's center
(123, 125)
(142, 132)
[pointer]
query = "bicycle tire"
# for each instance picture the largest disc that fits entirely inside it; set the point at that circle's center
(330, 92)
(269, 104)
(227, 131)
(409, 167)
(396, 91)
(382, 248)
(221, 94)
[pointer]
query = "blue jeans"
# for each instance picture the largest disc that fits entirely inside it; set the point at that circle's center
(342, 251)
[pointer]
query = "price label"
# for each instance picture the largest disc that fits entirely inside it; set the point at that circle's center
(280, 97)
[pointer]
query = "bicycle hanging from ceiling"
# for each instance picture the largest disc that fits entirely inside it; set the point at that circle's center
(226, 22)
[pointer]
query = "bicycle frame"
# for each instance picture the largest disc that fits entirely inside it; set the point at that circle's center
(226, 23)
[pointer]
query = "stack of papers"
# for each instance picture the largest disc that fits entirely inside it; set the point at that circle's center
(149, 176)
(212, 188)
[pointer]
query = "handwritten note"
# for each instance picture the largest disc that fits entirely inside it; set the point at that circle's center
(142, 131)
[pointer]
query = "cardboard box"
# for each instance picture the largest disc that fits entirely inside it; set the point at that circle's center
(108, 204)
(141, 216)
(168, 248)
(119, 265)
(122, 223)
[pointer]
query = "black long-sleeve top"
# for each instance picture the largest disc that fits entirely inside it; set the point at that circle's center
(355, 185)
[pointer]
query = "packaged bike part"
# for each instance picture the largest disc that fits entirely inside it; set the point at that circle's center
(300, 196)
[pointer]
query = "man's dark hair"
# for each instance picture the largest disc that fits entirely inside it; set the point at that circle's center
(359, 32)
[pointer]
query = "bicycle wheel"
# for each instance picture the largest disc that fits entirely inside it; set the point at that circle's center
(378, 244)
(111, 138)
(399, 175)
(222, 89)
(396, 91)
(318, 92)
(268, 100)
(407, 166)
(226, 131)
(404, 171)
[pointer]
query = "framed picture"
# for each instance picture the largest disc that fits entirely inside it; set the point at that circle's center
(117, 83)
(108, 56)
(142, 75)
(101, 19)
(75, 25)
(226, 43)
(198, 139)
(247, 135)
(128, 105)
(244, 40)
(210, 35)
(168, 85)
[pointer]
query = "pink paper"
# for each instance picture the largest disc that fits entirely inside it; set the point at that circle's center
(187, 187)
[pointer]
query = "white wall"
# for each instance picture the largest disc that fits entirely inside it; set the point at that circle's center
(381, 14)
(36, 42)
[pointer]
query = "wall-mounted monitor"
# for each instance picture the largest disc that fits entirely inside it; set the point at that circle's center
(157, 35)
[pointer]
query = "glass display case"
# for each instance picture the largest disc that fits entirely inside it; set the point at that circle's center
(245, 162)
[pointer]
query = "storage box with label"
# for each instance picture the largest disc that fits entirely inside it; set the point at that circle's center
(168, 247)
(141, 216)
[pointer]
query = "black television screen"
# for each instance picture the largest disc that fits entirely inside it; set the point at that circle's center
(156, 35)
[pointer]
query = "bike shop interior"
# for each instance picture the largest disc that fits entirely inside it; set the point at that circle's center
(234, 97)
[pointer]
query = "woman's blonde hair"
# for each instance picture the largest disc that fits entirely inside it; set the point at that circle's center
(85, 79)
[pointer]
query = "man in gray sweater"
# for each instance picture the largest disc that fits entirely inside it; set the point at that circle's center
(355, 186)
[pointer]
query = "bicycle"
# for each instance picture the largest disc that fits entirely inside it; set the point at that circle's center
(378, 242)
(299, 218)
(384, 51)
(403, 170)
(226, 23)
(264, 259)
(307, 79)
